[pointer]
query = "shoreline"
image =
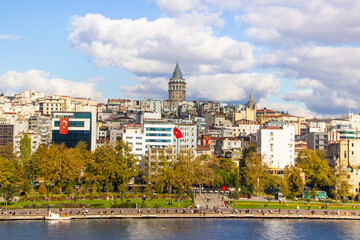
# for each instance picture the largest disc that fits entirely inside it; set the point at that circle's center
(24, 215)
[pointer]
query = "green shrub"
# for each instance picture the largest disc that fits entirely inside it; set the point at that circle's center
(97, 205)
(234, 195)
(56, 190)
(126, 205)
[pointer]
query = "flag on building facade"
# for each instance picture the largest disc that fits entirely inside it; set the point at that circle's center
(177, 133)
(64, 125)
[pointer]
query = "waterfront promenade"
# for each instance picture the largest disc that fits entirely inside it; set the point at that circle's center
(209, 206)
(33, 214)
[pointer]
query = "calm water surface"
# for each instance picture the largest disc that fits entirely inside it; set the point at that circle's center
(181, 229)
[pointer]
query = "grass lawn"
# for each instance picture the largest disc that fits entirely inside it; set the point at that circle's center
(292, 205)
(100, 203)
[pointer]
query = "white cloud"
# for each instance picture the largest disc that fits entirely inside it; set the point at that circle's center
(218, 87)
(176, 6)
(331, 73)
(9, 37)
(232, 87)
(329, 22)
(290, 108)
(181, 6)
(12, 82)
(211, 62)
(155, 88)
(151, 47)
(312, 83)
(324, 102)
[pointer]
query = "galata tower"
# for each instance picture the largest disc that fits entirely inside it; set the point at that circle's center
(177, 87)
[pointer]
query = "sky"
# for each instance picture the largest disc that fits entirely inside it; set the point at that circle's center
(301, 57)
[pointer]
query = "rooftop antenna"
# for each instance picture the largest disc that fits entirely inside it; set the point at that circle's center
(349, 108)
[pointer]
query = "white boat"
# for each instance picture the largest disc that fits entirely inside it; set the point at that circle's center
(58, 216)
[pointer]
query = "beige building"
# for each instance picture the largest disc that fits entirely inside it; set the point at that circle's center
(250, 109)
(49, 105)
(345, 155)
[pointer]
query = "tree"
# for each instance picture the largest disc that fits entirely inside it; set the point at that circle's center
(7, 151)
(10, 174)
(25, 148)
(341, 184)
(315, 167)
(69, 190)
(255, 173)
(246, 153)
(57, 163)
(225, 171)
(203, 173)
(183, 173)
(293, 181)
(10, 171)
(126, 165)
(113, 165)
(42, 189)
(8, 191)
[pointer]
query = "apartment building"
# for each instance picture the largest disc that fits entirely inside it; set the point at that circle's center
(276, 145)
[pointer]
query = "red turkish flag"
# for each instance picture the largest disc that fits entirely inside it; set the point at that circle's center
(207, 141)
(64, 125)
(177, 133)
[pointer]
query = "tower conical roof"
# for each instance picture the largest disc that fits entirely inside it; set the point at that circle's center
(177, 72)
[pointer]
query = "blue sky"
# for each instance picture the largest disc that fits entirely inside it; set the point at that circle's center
(297, 56)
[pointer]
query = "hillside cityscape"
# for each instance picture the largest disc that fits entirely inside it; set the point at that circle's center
(208, 130)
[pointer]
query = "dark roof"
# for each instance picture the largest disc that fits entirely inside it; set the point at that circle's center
(177, 72)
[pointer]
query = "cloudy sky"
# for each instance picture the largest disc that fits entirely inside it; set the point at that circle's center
(294, 55)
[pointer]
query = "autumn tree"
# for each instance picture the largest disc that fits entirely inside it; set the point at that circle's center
(315, 167)
(293, 183)
(57, 163)
(255, 173)
(225, 171)
(7, 151)
(203, 173)
(25, 148)
(111, 164)
(183, 173)
(126, 165)
(42, 189)
(10, 176)
(340, 182)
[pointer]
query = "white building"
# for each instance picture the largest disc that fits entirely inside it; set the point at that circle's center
(158, 134)
(244, 128)
(133, 134)
(35, 142)
(143, 116)
(188, 141)
(277, 146)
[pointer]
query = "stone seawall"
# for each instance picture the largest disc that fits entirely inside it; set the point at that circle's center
(188, 215)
